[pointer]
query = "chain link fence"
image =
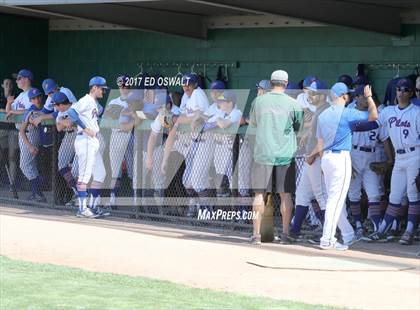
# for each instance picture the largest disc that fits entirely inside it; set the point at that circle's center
(207, 171)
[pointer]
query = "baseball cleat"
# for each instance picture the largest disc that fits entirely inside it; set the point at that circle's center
(86, 213)
(293, 237)
(334, 246)
(284, 239)
(406, 238)
(352, 241)
(359, 234)
(101, 212)
(376, 237)
(393, 235)
(255, 239)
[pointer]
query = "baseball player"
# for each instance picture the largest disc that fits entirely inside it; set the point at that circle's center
(21, 103)
(311, 183)
(335, 143)
(402, 124)
(155, 145)
(85, 114)
(246, 143)
(50, 87)
(29, 145)
(66, 152)
(303, 98)
(8, 135)
(364, 151)
(215, 148)
(120, 136)
(193, 102)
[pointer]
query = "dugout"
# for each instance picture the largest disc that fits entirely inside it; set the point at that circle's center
(73, 40)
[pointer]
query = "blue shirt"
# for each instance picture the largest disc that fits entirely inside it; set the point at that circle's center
(334, 127)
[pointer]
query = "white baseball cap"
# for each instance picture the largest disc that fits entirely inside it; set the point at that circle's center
(279, 75)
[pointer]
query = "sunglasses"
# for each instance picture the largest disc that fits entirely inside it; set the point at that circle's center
(403, 89)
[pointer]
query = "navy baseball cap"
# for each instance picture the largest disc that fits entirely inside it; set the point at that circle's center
(59, 98)
(316, 85)
(26, 74)
(217, 85)
(34, 92)
(135, 95)
(308, 81)
(49, 85)
(227, 96)
(339, 89)
(292, 85)
(98, 81)
(264, 84)
(361, 79)
(346, 79)
(406, 83)
(359, 90)
(122, 80)
(189, 79)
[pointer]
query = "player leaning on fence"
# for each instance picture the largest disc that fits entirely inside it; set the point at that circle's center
(276, 118)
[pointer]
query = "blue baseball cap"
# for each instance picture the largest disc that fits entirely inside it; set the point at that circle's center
(406, 83)
(217, 85)
(339, 89)
(264, 85)
(26, 74)
(98, 81)
(308, 81)
(189, 79)
(346, 79)
(227, 96)
(59, 98)
(316, 85)
(34, 92)
(49, 85)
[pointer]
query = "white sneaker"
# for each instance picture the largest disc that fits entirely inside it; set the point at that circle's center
(335, 246)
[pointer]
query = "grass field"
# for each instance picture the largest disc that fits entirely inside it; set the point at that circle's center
(40, 286)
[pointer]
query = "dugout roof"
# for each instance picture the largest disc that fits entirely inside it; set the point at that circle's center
(190, 17)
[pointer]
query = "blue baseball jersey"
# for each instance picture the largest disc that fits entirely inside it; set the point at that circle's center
(334, 127)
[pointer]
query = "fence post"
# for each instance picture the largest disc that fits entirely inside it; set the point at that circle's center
(54, 166)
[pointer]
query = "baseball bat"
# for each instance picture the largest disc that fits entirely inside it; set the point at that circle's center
(12, 185)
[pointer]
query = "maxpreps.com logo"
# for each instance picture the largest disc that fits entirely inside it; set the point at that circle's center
(222, 215)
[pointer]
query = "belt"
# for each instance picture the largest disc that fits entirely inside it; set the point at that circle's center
(69, 131)
(334, 151)
(364, 149)
(403, 151)
(81, 133)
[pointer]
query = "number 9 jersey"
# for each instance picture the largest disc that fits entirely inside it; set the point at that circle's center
(402, 125)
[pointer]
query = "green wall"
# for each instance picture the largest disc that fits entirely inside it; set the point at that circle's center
(24, 44)
(327, 52)
(72, 57)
